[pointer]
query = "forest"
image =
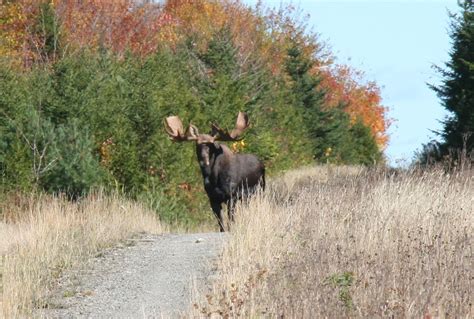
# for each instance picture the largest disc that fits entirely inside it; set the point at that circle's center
(85, 86)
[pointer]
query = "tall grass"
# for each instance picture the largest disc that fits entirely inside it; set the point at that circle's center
(347, 242)
(45, 235)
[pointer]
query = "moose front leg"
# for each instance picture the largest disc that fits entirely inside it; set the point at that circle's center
(217, 209)
(231, 210)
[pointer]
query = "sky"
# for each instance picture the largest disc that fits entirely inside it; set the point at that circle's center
(395, 43)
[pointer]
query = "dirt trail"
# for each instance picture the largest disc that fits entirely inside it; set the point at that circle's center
(151, 278)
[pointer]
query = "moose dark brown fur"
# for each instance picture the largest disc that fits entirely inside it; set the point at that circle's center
(228, 177)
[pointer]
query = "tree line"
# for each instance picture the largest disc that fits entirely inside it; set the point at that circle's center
(84, 110)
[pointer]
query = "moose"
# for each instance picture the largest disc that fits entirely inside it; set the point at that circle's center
(228, 177)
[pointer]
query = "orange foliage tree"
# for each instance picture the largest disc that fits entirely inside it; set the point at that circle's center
(16, 35)
(344, 85)
(118, 25)
(267, 33)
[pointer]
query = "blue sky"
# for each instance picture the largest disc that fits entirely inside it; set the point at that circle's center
(395, 43)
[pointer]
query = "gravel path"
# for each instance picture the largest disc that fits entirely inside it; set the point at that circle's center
(151, 278)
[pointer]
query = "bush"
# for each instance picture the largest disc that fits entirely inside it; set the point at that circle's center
(73, 167)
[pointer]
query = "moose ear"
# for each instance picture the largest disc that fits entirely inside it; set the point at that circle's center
(192, 132)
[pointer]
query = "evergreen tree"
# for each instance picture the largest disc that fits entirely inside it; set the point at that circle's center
(457, 89)
(47, 29)
(304, 83)
(307, 99)
(364, 148)
(228, 88)
(75, 169)
(332, 136)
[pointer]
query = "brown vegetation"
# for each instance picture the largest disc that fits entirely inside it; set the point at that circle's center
(345, 242)
(44, 236)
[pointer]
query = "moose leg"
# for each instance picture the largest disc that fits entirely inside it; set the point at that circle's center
(231, 209)
(216, 208)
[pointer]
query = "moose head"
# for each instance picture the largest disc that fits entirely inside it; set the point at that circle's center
(227, 176)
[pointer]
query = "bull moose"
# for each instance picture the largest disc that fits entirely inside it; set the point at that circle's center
(228, 177)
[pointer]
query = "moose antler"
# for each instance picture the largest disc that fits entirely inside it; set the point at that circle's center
(174, 128)
(241, 125)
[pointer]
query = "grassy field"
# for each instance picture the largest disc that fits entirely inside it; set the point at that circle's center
(321, 242)
(347, 242)
(42, 236)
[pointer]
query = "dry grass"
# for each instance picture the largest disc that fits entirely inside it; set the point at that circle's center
(346, 242)
(45, 235)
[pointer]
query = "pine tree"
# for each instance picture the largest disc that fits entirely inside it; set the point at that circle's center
(307, 98)
(75, 170)
(228, 88)
(333, 137)
(305, 84)
(47, 29)
(457, 89)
